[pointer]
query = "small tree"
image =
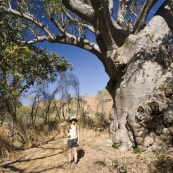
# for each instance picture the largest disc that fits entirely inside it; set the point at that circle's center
(21, 66)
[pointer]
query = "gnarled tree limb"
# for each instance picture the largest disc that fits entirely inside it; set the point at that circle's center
(81, 9)
(118, 34)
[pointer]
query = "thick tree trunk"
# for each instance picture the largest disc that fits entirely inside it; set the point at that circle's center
(142, 115)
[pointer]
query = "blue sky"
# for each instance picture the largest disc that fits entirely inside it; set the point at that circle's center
(87, 67)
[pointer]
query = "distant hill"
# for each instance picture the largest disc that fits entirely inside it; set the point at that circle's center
(94, 104)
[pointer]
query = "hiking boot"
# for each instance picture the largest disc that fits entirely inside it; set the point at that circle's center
(75, 163)
(69, 163)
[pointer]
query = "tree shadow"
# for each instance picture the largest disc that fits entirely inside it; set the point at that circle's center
(164, 163)
(81, 154)
(11, 166)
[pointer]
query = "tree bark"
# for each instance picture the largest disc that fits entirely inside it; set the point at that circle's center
(142, 114)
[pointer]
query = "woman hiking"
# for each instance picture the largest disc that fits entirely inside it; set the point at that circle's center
(73, 140)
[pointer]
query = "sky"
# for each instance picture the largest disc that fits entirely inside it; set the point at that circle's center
(87, 67)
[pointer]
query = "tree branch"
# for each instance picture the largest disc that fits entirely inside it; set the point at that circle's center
(121, 14)
(111, 6)
(37, 39)
(57, 24)
(88, 2)
(79, 42)
(89, 27)
(140, 21)
(111, 32)
(30, 18)
(81, 9)
(26, 86)
(166, 12)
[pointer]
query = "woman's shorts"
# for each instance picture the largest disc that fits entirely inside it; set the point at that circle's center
(72, 143)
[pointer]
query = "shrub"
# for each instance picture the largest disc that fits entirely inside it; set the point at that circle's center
(86, 121)
(137, 150)
(101, 120)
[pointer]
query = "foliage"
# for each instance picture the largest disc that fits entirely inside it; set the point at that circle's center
(63, 18)
(23, 112)
(137, 150)
(23, 65)
(70, 111)
(86, 121)
(99, 116)
(101, 120)
(104, 92)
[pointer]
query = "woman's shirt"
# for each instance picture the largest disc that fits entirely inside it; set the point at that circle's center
(73, 132)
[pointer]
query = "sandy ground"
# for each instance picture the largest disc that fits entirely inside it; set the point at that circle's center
(95, 156)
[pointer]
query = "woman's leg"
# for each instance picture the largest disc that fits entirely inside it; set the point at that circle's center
(75, 154)
(69, 155)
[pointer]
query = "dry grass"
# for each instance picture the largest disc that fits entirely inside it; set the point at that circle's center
(45, 151)
(95, 155)
(6, 147)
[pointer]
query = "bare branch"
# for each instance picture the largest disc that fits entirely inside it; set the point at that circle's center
(111, 6)
(79, 42)
(38, 39)
(140, 21)
(23, 2)
(57, 24)
(89, 27)
(9, 3)
(121, 14)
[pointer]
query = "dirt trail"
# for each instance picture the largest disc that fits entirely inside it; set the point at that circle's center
(94, 156)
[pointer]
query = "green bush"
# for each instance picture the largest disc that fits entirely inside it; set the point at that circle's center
(70, 111)
(23, 112)
(86, 121)
(101, 120)
(104, 92)
(137, 150)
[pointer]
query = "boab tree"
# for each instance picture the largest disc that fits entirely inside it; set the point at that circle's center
(132, 50)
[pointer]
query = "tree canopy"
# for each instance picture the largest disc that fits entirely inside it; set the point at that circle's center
(98, 26)
(23, 65)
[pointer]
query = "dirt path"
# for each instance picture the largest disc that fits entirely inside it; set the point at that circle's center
(95, 156)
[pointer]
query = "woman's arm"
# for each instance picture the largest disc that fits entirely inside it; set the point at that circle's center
(78, 135)
(68, 132)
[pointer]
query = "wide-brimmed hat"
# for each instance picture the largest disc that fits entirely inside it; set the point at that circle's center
(73, 118)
